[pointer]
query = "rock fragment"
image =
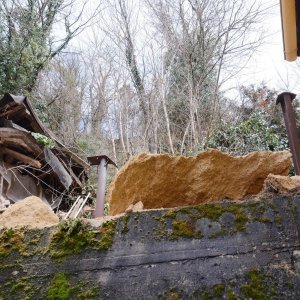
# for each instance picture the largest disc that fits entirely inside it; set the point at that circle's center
(281, 184)
(165, 181)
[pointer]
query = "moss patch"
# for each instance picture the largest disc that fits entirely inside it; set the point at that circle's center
(184, 219)
(11, 240)
(172, 294)
(230, 294)
(125, 221)
(88, 294)
(60, 288)
(219, 289)
(186, 227)
(255, 288)
(72, 237)
(19, 289)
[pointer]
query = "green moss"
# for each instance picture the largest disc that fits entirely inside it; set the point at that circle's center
(125, 220)
(257, 210)
(230, 294)
(18, 288)
(60, 288)
(219, 289)
(255, 288)
(215, 211)
(172, 296)
(88, 295)
(289, 284)
(11, 240)
(278, 219)
(107, 235)
(263, 220)
(206, 295)
(218, 233)
(72, 237)
(7, 266)
(182, 229)
(20, 285)
(187, 228)
(170, 214)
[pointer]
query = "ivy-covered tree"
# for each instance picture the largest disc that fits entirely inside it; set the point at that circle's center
(28, 40)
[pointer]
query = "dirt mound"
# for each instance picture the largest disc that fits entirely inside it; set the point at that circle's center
(31, 212)
(164, 181)
(281, 184)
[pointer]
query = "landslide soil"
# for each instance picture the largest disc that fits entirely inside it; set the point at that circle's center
(163, 181)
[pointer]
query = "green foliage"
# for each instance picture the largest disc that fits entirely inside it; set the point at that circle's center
(256, 133)
(46, 141)
(257, 124)
(27, 43)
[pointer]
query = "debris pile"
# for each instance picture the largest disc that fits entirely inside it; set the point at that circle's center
(163, 181)
(31, 212)
(32, 160)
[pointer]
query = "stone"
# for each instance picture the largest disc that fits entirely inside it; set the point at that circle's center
(163, 181)
(98, 222)
(135, 207)
(31, 212)
(281, 184)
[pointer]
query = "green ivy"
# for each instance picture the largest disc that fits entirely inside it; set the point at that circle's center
(46, 141)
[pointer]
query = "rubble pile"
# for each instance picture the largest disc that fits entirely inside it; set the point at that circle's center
(163, 181)
(31, 212)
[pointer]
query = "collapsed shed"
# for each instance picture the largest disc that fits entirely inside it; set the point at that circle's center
(32, 160)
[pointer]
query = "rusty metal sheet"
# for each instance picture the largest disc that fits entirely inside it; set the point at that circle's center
(95, 160)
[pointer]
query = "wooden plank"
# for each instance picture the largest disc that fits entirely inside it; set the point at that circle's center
(71, 209)
(14, 137)
(81, 206)
(23, 158)
(76, 208)
(11, 112)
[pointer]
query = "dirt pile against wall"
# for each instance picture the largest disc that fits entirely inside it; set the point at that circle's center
(31, 212)
(165, 181)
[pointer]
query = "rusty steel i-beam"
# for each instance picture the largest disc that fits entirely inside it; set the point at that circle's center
(285, 99)
(101, 161)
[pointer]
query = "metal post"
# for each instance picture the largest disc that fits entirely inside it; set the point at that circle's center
(102, 161)
(99, 210)
(285, 100)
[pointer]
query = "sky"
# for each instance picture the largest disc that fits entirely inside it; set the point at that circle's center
(267, 64)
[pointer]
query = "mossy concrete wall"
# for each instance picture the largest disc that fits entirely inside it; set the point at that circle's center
(215, 251)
